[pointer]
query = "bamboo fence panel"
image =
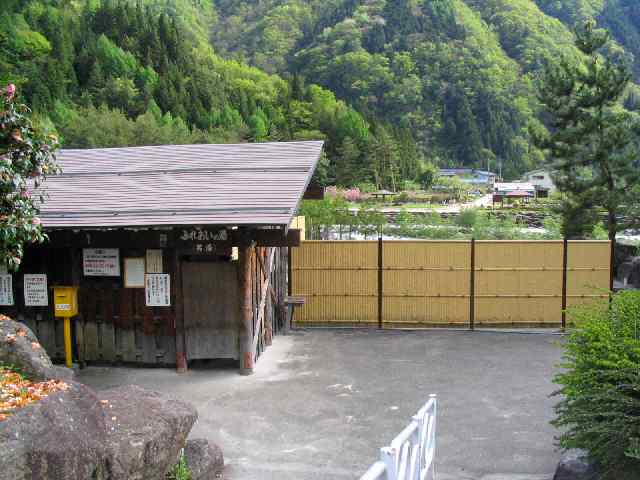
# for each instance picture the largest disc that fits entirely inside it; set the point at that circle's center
(428, 283)
(587, 271)
(338, 280)
(518, 282)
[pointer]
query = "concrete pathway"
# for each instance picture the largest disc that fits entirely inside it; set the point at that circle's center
(321, 403)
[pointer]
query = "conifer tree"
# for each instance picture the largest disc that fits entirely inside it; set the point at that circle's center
(592, 139)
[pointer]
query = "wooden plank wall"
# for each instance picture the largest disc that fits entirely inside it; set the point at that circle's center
(428, 283)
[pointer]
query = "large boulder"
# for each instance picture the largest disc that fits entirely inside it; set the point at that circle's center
(205, 460)
(576, 465)
(61, 436)
(145, 432)
(126, 433)
(629, 272)
(20, 347)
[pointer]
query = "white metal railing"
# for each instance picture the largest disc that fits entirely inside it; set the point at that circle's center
(411, 454)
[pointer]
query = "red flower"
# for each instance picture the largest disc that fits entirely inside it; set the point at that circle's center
(10, 90)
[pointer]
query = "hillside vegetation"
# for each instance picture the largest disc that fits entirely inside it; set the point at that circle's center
(391, 85)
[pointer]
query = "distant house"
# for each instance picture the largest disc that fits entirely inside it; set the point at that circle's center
(541, 180)
(513, 191)
(470, 175)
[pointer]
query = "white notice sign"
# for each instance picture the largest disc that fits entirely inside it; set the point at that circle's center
(101, 262)
(35, 290)
(6, 290)
(158, 290)
(154, 261)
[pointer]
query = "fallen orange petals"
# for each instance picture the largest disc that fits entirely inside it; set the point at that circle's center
(17, 392)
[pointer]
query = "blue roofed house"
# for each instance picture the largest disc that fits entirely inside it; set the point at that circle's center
(470, 176)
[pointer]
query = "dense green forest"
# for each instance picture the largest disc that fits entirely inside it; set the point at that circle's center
(391, 85)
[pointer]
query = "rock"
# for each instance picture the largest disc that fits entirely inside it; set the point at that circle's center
(575, 465)
(145, 432)
(61, 436)
(205, 461)
(630, 271)
(20, 347)
(126, 433)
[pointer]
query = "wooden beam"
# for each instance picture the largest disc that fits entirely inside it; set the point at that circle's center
(264, 289)
(181, 352)
(247, 355)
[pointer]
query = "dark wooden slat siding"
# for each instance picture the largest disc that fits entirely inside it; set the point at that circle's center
(245, 184)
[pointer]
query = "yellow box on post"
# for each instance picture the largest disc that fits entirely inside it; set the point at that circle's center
(65, 300)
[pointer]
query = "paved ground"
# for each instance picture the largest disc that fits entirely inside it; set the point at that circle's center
(321, 403)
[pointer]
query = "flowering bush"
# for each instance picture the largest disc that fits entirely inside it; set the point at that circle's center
(352, 195)
(27, 156)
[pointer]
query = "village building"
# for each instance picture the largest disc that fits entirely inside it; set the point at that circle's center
(470, 175)
(541, 180)
(179, 253)
(513, 191)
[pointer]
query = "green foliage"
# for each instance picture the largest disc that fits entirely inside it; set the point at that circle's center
(600, 385)
(592, 143)
(181, 470)
(27, 156)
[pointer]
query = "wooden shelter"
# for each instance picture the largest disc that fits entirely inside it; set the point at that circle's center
(179, 253)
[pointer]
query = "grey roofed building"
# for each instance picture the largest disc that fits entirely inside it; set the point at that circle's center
(252, 184)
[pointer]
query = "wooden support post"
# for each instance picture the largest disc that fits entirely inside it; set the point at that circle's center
(380, 279)
(181, 350)
(565, 258)
(246, 308)
(472, 287)
(612, 263)
(289, 271)
(78, 322)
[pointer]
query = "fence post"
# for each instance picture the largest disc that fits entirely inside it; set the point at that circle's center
(472, 287)
(565, 256)
(289, 271)
(380, 275)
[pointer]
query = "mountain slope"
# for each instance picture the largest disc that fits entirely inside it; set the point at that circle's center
(458, 74)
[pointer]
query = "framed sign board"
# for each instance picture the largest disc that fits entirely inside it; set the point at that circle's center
(157, 290)
(6, 289)
(134, 272)
(101, 262)
(35, 290)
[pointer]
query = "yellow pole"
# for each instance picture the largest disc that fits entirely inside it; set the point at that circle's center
(67, 342)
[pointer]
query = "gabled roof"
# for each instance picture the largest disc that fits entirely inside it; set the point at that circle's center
(255, 184)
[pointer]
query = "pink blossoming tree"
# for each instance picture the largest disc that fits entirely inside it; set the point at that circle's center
(27, 156)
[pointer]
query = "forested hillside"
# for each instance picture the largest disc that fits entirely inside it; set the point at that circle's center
(458, 74)
(391, 85)
(113, 72)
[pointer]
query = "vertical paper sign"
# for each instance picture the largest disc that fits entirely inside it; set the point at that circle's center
(35, 290)
(154, 261)
(158, 290)
(101, 262)
(6, 290)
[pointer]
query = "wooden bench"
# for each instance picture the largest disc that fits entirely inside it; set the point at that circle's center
(290, 303)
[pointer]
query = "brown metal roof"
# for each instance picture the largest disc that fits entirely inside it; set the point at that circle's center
(243, 184)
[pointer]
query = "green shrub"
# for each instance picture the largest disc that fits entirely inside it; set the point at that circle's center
(600, 409)
(181, 470)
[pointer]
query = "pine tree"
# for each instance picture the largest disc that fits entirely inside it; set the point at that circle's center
(592, 140)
